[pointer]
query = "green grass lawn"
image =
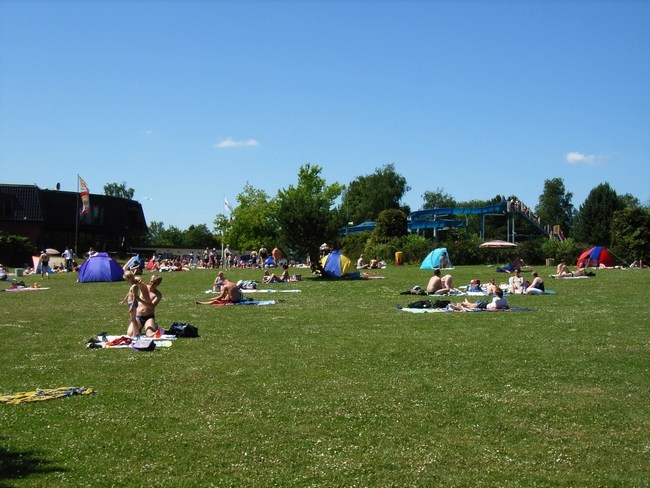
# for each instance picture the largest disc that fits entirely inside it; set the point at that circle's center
(332, 387)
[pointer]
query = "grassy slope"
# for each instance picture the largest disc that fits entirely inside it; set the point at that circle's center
(333, 387)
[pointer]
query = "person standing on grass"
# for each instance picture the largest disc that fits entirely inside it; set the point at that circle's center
(44, 262)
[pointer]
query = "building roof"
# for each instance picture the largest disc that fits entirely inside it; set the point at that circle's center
(20, 203)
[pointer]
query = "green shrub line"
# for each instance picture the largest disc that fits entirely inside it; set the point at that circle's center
(333, 386)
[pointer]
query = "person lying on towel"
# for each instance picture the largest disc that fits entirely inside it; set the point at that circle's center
(497, 303)
(230, 293)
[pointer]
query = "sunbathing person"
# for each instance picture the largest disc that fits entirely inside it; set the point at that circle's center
(435, 283)
(491, 287)
(562, 270)
(273, 278)
(516, 283)
(361, 263)
(150, 297)
(230, 293)
(497, 303)
(537, 285)
(446, 285)
(219, 281)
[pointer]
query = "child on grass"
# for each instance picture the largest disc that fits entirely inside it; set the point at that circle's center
(131, 299)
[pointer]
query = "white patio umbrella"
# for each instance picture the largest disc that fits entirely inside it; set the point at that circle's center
(498, 245)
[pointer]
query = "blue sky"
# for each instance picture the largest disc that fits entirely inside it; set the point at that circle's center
(187, 101)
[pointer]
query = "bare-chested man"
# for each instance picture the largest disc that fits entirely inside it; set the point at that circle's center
(230, 293)
(435, 283)
(146, 311)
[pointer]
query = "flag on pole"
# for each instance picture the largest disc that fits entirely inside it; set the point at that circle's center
(85, 196)
(227, 205)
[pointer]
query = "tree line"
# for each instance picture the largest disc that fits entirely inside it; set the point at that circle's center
(312, 211)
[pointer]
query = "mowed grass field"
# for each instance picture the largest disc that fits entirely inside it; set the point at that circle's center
(332, 387)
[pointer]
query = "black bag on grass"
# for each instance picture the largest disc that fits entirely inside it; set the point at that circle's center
(429, 304)
(181, 329)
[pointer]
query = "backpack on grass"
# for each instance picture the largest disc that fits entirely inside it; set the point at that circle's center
(181, 329)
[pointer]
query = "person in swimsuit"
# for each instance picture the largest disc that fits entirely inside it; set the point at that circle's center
(131, 299)
(146, 311)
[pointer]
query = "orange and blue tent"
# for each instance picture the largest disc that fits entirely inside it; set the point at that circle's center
(337, 265)
(595, 256)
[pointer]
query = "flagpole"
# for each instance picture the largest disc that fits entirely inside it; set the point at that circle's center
(221, 260)
(76, 218)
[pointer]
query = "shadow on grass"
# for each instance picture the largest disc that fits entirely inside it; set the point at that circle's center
(21, 464)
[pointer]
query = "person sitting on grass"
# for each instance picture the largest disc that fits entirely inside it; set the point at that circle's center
(150, 297)
(562, 270)
(446, 285)
(361, 263)
(435, 283)
(230, 293)
(536, 287)
(219, 281)
(516, 283)
(273, 278)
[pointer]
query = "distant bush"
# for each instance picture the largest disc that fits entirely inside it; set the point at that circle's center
(569, 249)
(15, 251)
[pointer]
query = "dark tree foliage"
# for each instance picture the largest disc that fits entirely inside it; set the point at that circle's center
(594, 217)
(390, 223)
(304, 213)
(16, 250)
(630, 232)
(155, 232)
(438, 199)
(198, 236)
(555, 207)
(119, 190)
(368, 195)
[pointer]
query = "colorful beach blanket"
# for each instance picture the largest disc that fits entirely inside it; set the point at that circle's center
(569, 277)
(28, 288)
(470, 310)
(245, 302)
(47, 394)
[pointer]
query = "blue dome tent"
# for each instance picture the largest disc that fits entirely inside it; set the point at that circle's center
(438, 258)
(100, 267)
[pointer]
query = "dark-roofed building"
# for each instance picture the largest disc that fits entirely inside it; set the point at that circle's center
(52, 218)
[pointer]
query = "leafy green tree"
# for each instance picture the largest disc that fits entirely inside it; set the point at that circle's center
(630, 233)
(629, 201)
(119, 190)
(199, 236)
(368, 195)
(555, 207)
(304, 213)
(390, 223)
(155, 233)
(438, 199)
(594, 217)
(253, 222)
(172, 236)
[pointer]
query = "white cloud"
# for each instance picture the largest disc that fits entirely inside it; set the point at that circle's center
(575, 157)
(147, 132)
(230, 143)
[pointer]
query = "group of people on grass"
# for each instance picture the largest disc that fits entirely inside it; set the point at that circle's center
(443, 285)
